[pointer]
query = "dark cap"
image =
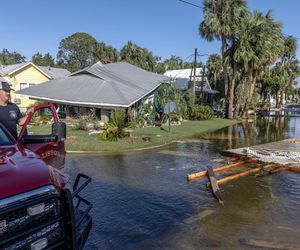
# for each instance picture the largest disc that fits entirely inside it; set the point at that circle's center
(5, 86)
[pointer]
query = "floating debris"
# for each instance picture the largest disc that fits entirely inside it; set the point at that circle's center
(285, 152)
(283, 157)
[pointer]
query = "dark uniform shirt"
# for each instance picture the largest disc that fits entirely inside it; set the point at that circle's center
(9, 116)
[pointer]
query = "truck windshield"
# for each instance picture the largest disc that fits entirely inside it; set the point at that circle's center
(5, 139)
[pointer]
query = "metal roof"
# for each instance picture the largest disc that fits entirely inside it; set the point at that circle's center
(54, 72)
(50, 72)
(183, 73)
(111, 85)
(182, 78)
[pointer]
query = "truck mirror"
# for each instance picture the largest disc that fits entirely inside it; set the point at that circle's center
(59, 130)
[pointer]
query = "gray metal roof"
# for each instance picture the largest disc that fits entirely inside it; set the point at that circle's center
(49, 71)
(111, 85)
(7, 69)
(182, 78)
(54, 72)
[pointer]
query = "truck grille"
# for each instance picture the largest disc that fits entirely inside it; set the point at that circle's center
(52, 233)
(36, 215)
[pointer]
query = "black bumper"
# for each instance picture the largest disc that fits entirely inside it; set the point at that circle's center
(49, 221)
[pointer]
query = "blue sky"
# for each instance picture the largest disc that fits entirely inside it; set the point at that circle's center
(165, 27)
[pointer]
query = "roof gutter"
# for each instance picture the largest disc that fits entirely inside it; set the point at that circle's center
(77, 103)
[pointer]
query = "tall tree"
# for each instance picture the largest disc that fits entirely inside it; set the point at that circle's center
(259, 44)
(289, 64)
(43, 60)
(138, 56)
(214, 66)
(77, 51)
(14, 57)
(220, 19)
(106, 53)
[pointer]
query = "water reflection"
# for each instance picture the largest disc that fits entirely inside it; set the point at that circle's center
(142, 200)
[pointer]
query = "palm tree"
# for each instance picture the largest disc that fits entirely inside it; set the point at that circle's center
(290, 65)
(214, 66)
(170, 92)
(220, 19)
(259, 44)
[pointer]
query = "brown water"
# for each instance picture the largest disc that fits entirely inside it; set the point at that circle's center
(143, 201)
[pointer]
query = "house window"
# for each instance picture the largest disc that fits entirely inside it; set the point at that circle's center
(23, 85)
(31, 84)
(17, 101)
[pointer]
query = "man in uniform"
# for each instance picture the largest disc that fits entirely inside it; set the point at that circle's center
(10, 114)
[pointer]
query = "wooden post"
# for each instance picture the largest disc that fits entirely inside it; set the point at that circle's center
(194, 80)
(272, 171)
(201, 174)
(251, 171)
(293, 169)
(214, 185)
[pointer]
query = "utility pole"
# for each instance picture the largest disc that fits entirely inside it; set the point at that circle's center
(202, 83)
(194, 80)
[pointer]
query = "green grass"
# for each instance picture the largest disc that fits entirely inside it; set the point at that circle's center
(78, 140)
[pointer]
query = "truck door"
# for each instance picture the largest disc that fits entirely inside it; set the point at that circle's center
(38, 127)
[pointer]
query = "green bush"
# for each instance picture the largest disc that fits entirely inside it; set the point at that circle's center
(114, 129)
(201, 112)
(133, 124)
(174, 117)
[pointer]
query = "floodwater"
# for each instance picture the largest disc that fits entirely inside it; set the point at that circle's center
(143, 201)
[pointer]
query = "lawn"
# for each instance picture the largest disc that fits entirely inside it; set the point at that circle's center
(79, 140)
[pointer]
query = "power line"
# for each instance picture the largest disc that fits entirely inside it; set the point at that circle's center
(195, 5)
(188, 58)
(202, 54)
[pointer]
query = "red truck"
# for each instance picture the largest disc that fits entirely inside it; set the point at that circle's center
(37, 209)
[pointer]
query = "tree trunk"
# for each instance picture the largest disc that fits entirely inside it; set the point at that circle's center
(281, 97)
(236, 109)
(230, 96)
(277, 98)
(230, 99)
(250, 95)
(215, 80)
(225, 73)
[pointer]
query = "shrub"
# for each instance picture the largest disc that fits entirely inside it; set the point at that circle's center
(175, 117)
(132, 124)
(114, 129)
(81, 122)
(201, 112)
(86, 122)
